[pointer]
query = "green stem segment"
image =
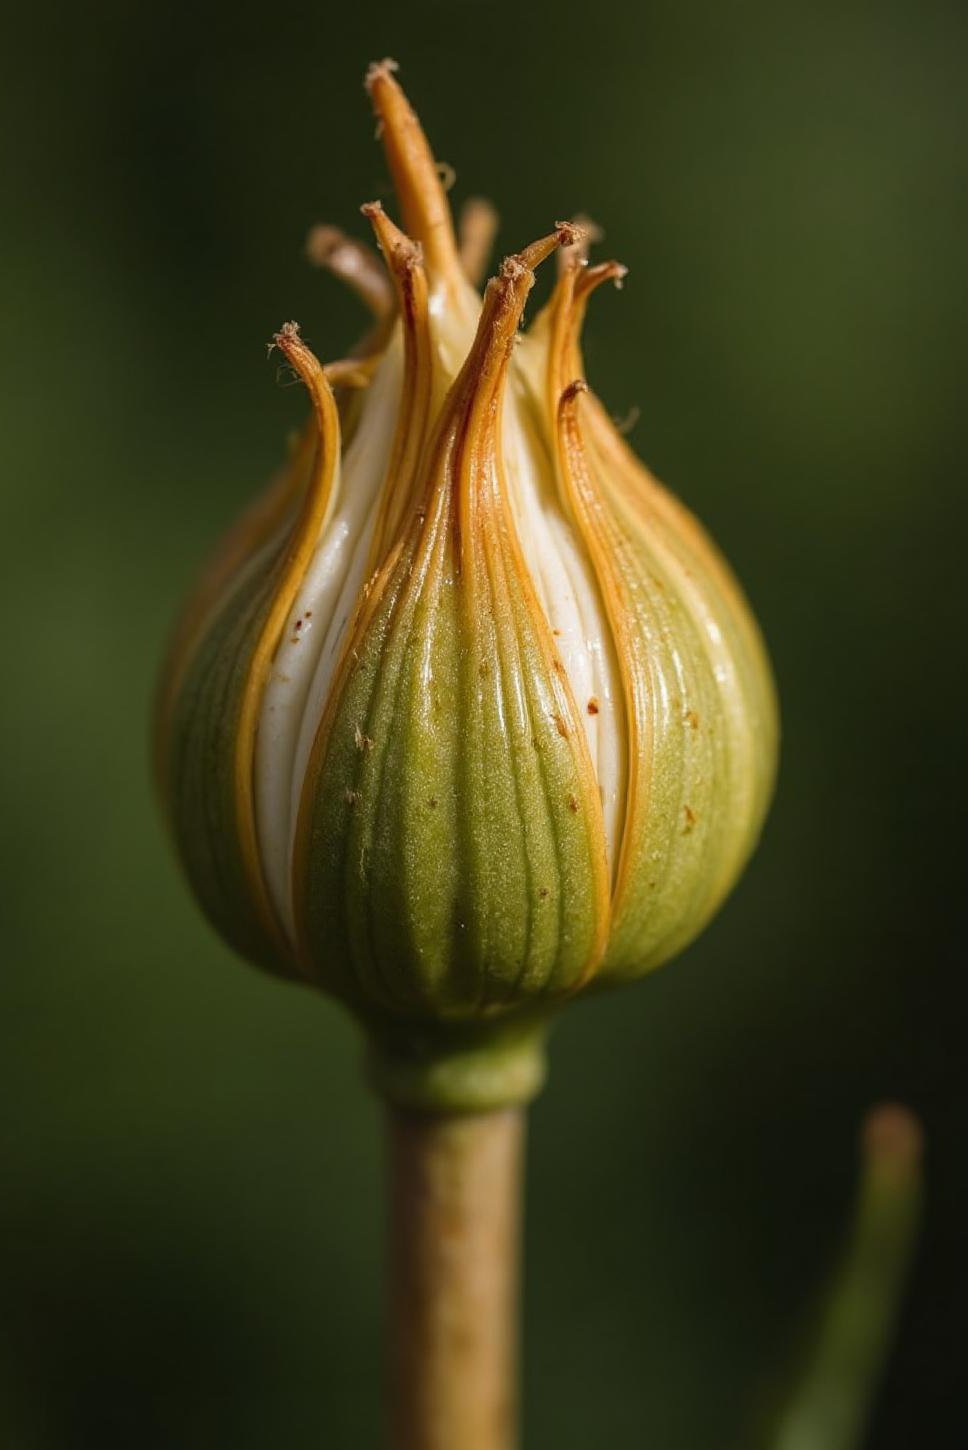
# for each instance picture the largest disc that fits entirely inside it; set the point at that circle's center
(455, 1195)
(831, 1402)
(474, 1068)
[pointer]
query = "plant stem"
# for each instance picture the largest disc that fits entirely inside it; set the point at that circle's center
(455, 1193)
(832, 1399)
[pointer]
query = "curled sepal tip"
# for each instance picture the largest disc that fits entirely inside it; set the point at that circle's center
(404, 260)
(416, 175)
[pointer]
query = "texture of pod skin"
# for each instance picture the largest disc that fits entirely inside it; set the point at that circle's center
(468, 713)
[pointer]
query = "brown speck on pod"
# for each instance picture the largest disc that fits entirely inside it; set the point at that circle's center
(593, 706)
(690, 819)
(692, 719)
(560, 725)
(573, 803)
(432, 802)
(351, 797)
(363, 742)
(542, 892)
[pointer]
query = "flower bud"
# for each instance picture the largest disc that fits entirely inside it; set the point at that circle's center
(467, 713)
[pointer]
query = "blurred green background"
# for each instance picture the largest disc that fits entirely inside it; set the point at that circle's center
(190, 1169)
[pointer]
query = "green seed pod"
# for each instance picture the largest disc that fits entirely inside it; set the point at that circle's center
(468, 713)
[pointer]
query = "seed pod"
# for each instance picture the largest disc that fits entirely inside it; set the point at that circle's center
(468, 713)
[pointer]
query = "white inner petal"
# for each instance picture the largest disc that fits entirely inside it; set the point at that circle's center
(302, 669)
(569, 595)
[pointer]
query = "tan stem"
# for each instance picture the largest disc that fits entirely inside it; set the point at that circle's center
(455, 1191)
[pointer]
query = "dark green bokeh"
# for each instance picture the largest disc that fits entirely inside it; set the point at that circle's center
(190, 1214)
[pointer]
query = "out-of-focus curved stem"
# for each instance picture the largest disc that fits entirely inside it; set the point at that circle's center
(353, 263)
(831, 1401)
(477, 229)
